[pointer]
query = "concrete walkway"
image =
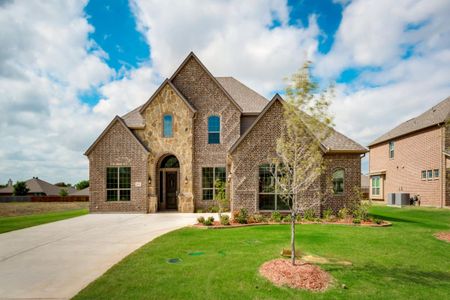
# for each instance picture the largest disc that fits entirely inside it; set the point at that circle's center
(57, 260)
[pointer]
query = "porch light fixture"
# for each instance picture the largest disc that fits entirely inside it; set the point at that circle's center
(149, 179)
(185, 180)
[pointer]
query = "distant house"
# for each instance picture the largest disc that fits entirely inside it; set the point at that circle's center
(365, 185)
(37, 187)
(83, 192)
(414, 158)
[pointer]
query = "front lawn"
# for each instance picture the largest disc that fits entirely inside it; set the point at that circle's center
(404, 261)
(15, 216)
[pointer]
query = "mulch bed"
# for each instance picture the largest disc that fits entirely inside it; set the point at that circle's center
(217, 225)
(301, 276)
(443, 236)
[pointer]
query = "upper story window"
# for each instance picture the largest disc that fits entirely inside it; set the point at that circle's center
(391, 150)
(214, 130)
(118, 184)
(436, 173)
(167, 126)
(338, 181)
(424, 175)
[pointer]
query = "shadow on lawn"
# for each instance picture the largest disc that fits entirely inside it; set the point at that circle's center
(402, 274)
(393, 219)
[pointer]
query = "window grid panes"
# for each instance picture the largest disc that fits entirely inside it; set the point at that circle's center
(168, 125)
(209, 177)
(436, 173)
(118, 184)
(430, 174)
(338, 181)
(376, 185)
(391, 149)
(424, 175)
(213, 130)
(270, 197)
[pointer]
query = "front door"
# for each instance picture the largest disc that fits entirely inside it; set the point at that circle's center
(171, 190)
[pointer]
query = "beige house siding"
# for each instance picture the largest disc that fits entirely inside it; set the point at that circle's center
(208, 99)
(180, 144)
(118, 148)
(414, 153)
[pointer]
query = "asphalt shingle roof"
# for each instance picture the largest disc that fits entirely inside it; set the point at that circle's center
(436, 115)
(37, 185)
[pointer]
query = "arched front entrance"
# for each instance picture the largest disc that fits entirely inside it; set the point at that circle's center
(169, 183)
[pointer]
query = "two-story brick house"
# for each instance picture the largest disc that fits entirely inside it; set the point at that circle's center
(195, 129)
(414, 158)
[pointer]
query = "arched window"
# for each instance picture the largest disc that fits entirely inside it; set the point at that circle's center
(213, 130)
(170, 162)
(167, 124)
(338, 181)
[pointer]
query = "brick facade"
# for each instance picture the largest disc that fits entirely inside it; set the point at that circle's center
(413, 153)
(117, 148)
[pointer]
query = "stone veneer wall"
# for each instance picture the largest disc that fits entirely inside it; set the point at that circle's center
(180, 145)
(118, 148)
(208, 99)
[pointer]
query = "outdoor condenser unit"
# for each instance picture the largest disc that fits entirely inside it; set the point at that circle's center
(391, 199)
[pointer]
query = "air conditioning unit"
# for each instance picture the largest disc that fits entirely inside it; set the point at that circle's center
(402, 199)
(391, 199)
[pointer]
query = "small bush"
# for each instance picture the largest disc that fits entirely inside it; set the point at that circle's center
(260, 218)
(224, 220)
(378, 221)
(200, 211)
(299, 218)
(201, 220)
(309, 215)
(356, 221)
(208, 222)
(241, 216)
(251, 219)
(328, 214)
(211, 219)
(287, 219)
(276, 216)
(343, 213)
(213, 209)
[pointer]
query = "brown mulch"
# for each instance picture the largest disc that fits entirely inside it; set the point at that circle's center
(444, 236)
(301, 276)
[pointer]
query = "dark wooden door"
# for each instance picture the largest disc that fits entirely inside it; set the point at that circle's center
(171, 190)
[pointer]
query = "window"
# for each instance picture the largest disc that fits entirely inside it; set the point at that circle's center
(209, 177)
(391, 150)
(424, 175)
(270, 196)
(167, 126)
(430, 174)
(213, 130)
(376, 185)
(338, 181)
(118, 184)
(436, 173)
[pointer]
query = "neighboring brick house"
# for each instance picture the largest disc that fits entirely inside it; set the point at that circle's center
(414, 158)
(196, 128)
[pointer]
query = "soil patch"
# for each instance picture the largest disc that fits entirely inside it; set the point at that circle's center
(301, 276)
(443, 236)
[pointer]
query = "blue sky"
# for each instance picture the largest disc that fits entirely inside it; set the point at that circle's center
(68, 67)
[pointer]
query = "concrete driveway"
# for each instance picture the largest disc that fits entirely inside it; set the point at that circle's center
(57, 260)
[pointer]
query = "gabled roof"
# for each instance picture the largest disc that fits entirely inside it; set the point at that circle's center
(438, 114)
(248, 99)
(37, 186)
(335, 143)
(193, 56)
(155, 94)
(119, 120)
(83, 192)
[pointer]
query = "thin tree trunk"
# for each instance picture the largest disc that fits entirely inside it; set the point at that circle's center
(293, 238)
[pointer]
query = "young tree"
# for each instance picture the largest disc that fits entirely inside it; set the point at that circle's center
(20, 188)
(82, 184)
(299, 163)
(221, 196)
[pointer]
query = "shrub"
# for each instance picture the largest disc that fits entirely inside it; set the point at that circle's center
(328, 214)
(299, 218)
(241, 216)
(213, 209)
(378, 221)
(276, 216)
(251, 219)
(361, 211)
(200, 211)
(208, 222)
(343, 213)
(260, 218)
(309, 215)
(201, 220)
(356, 221)
(20, 188)
(211, 219)
(224, 220)
(63, 192)
(287, 219)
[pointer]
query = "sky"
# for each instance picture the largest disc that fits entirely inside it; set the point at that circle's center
(68, 67)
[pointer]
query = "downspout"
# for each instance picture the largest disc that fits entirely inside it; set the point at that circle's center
(444, 170)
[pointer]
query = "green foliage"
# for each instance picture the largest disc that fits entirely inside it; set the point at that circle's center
(241, 216)
(309, 215)
(287, 219)
(63, 192)
(224, 220)
(208, 222)
(82, 184)
(221, 196)
(328, 214)
(260, 218)
(377, 221)
(211, 219)
(201, 220)
(361, 211)
(343, 213)
(200, 211)
(213, 209)
(276, 216)
(20, 188)
(356, 221)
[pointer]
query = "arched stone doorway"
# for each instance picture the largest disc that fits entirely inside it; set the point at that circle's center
(169, 182)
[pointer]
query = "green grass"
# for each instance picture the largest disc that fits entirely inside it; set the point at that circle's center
(404, 261)
(20, 222)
